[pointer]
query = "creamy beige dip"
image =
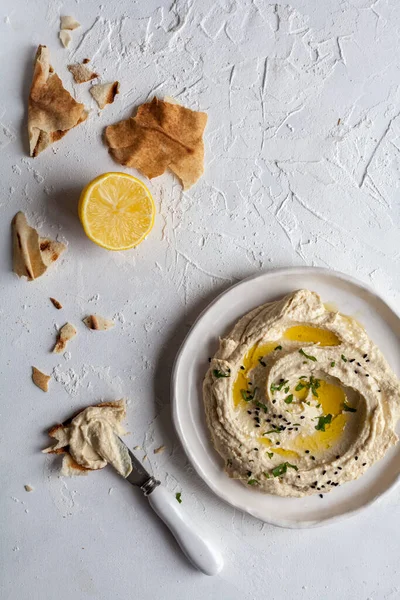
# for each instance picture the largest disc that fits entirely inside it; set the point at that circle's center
(299, 399)
(91, 438)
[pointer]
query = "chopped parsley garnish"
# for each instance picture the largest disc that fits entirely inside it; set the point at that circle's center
(248, 395)
(270, 454)
(301, 351)
(252, 482)
(300, 386)
(277, 387)
(348, 408)
(178, 496)
(289, 399)
(266, 475)
(303, 377)
(286, 389)
(282, 468)
(344, 359)
(261, 405)
(218, 374)
(333, 363)
(323, 421)
(260, 360)
(274, 430)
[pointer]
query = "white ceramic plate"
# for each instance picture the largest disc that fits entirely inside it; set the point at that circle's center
(350, 297)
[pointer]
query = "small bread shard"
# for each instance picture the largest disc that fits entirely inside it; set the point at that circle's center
(81, 73)
(32, 254)
(104, 93)
(56, 303)
(159, 450)
(40, 379)
(52, 111)
(70, 23)
(65, 38)
(98, 323)
(161, 136)
(28, 488)
(66, 333)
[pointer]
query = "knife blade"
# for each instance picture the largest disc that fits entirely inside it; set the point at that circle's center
(189, 536)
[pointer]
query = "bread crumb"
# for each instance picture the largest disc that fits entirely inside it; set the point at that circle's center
(81, 74)
(56, 303)
(98, 323)
(65, 38)
(40, 379)
(28, 488)
(69, 23)
(67, 333)
(137, 447)
(159, 450)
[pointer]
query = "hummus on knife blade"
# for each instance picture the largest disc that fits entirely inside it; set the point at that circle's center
(298, 399)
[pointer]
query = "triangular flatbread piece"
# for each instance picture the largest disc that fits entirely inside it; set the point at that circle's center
(52, 111)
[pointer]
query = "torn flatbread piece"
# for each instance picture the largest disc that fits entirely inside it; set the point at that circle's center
(90, 440)
(56, 303)
(104, 93)
(32, 254)
(52, 111)
(70, 23)
(98, 323)
(40, 379)
(65, 38)
(81, 74)
(66, 333)
(161, 136)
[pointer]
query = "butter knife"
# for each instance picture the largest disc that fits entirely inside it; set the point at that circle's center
(190, 538)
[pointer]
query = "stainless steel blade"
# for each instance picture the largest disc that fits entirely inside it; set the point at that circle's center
(138, 476)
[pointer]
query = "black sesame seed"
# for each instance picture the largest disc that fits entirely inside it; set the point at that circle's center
(322, 486)
(364, 464)
(209, 359)
(255, 449)
(329, 482)
(356, 458)
(379, 390)
(278, 443)
(290, 428)
(323, 472)
(298, 476)
(280, 416)
(355, 371)
(268, 420)
(242, 367)
(248, 473)
(315, 483)
(336, 472)
(318, 488)
(307, 452)
(257, 419)
(273, 401)
(281, 379)
(312, 457)
(302, 417)
(340, 468)
(257, 425)
(352, 360)
(358, 364)
(367, 360)
(321, 496)
(338, 456)
(366, 374)
(249, 412)
(296, 428)
(365, 355)
(250, 383)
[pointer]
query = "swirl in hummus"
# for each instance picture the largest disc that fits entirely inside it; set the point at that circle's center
(298, 399)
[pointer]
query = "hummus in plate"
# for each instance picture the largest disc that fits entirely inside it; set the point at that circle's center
(299, 399)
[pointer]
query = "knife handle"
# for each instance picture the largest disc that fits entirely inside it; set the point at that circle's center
(189, 537)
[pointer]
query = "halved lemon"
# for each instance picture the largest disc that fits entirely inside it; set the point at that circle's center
(117, 211)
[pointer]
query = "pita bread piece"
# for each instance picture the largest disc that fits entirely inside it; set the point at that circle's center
(98, 323)
(81, 73)
(56, 303)
(40, 379)
(104, 93)
(161, 136)
(52, 111)
(32, 254)
(65, 38)
(66, 333)
(69, 23)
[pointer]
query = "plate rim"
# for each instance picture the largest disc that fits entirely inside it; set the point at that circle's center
(178, 426)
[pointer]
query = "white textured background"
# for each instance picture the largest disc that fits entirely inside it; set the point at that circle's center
(302, 165)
